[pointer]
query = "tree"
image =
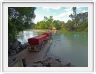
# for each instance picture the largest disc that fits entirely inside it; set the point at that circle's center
(57, 24)
(19, 18)
(49, 23)
(74, 12)
(70, 25)
(74, 16)
(80, 21)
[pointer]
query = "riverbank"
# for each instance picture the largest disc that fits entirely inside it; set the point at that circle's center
(37, 59)
(65, 47)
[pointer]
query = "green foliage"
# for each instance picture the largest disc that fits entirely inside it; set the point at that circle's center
(79, 21)
(70, 25)
(83, 26)
(48, 23)
(19, 18)
(11, 30)
(58, 24)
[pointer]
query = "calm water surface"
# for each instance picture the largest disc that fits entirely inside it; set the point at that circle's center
(72, 47)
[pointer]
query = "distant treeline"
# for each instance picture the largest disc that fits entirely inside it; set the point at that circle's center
(21, 18)
(78, 23)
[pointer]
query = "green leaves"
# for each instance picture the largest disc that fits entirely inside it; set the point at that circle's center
(19, 18)
(79, 21)
(48, 23)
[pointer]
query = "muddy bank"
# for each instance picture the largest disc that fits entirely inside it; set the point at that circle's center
(24, 58)
(20, 56)
(51, 62)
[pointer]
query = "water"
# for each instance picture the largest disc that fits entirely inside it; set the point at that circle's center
(23, 36)
(72, 47)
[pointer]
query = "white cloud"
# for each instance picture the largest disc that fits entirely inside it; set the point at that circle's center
(83, 11)
(47, 8)
(68, 9)
(63, 16)
(38, 18)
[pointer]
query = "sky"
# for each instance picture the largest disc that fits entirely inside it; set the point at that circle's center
(58, 13)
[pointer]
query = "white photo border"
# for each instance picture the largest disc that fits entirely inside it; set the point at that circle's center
(0, 37)
(94, 37)
(49, 73)
(47, 0)
(90, 67)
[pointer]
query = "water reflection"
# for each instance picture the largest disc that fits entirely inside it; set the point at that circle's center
(72, 47)
(23, 36)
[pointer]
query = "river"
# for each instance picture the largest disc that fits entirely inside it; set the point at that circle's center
(72, 47)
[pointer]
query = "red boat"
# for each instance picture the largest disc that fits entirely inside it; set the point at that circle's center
(36, 43)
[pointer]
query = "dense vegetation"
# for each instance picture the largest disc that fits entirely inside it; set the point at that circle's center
(19, 18)
(48, 23)
(78, 23)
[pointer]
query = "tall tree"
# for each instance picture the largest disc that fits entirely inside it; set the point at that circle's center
(74, 17)
(19, 18)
